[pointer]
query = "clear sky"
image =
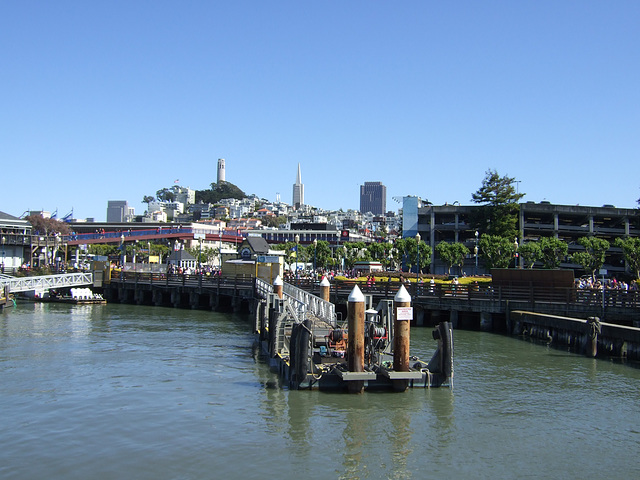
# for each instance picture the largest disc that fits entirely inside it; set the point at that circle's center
(114, 100)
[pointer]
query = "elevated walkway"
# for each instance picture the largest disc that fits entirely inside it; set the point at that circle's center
(45, 282)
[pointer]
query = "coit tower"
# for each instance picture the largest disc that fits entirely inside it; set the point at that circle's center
(221, 177)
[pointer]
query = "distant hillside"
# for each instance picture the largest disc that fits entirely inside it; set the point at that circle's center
(218, 192)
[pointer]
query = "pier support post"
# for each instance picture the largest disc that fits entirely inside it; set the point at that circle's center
(277, 286)
(175, 298)
(593, 330)
(194, 300)
(275, 308)
(156, 297)
(355, 346)
(325, 289)
(401, 337)
(486, 322)
(453, 318)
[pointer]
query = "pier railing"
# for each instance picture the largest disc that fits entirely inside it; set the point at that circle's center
(46, 282)
(315, 305)
(485, 291)
(203, 281)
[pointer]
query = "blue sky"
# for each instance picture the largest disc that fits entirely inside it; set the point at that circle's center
(114, 100)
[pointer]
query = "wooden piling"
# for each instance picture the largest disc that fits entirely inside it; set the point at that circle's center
(355, 346)
(401, 336)
(325, 289)
(277, 286)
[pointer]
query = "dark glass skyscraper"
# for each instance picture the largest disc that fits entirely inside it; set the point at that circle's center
(373, 198)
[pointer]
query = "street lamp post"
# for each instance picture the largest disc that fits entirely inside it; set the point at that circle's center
(4, 240)
(297, 239)
(122, 260)
(418, 257)
(475, 253)
(344, 257)
(200, 257)
(315, 248)
(220, 251)
(135, 255)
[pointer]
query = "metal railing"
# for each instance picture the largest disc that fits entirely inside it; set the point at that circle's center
(45, 282)
(315, 305)
(486, 291)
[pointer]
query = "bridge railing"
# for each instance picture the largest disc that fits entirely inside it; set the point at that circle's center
(315, 305)
(212, 281)
(46, 282)
(485, 291)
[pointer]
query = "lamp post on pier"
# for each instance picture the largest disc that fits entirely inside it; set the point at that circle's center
(418, 257)
(297, 240)
(4, 241)
(475, 253)
(122, 252)
(315, 248)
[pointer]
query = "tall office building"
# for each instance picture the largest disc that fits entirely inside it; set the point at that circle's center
(119, 211)
(221, 177)
(373, 198)
(298, 191)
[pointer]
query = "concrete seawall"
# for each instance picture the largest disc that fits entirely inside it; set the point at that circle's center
(591, 337)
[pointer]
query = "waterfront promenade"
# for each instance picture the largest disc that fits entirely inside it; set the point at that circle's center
(467, 305)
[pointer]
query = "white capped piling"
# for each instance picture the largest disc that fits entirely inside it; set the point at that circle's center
(325, 288)
(355, 345)
(402, 330)
(277, 286)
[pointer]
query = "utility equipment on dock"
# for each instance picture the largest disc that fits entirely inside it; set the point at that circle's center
(311, 350)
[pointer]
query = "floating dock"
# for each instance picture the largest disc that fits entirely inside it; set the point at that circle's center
(310, 349)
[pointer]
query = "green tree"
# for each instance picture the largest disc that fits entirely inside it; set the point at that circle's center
(499, 215)
(631, 251)
(102, 249)
(320, 252)
(378, 251)
(219, 191)
(411, 247)
(452, 254)
(497, 252)
(290, 253)
(553, 251)
(165, 195)
(530, 253)
(593, 256)
(47, 226)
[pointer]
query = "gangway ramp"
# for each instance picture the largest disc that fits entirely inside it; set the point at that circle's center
(45, 282)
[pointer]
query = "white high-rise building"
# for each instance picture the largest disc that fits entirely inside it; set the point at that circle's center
(298, 191)
(221, 176)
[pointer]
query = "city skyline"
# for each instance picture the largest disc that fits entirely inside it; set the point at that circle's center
(115, 101)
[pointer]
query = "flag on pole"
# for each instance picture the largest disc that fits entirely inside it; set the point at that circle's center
(294, 252)
(176, 181)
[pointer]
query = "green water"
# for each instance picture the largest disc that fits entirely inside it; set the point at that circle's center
(120, 391)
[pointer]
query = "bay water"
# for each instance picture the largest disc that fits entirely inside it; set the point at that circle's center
(122, 391)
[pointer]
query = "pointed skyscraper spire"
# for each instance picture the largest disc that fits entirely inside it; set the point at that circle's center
(298, 190)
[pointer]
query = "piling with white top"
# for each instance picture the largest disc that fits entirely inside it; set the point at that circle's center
(355, 346)
(325, 289)
(277, 286)
(402, 335)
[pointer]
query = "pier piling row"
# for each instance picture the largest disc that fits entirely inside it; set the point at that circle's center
(591, 336)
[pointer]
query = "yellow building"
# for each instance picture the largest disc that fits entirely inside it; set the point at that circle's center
(255, 259)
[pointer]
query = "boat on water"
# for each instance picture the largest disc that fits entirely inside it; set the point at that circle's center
(311, 352)
(75, 296)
